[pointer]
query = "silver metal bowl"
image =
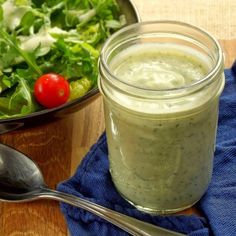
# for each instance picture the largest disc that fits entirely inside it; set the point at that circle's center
(47, 115)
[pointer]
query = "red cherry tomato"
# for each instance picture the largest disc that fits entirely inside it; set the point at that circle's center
(51, 90)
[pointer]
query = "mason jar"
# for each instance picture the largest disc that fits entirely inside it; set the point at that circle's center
(161, 83)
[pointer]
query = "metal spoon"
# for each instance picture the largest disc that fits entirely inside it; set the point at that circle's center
(21, 180)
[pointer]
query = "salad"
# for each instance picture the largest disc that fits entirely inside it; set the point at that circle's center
(49, 50)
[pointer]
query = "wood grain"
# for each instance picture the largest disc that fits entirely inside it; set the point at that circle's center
(50, 146)
(58, 147)
(216, 16)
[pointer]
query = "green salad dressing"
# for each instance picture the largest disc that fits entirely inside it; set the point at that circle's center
(156, 67)
(160, 154)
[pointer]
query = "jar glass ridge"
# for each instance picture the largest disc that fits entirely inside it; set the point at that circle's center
(155, 135)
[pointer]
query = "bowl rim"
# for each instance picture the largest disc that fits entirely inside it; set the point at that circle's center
(47, 111)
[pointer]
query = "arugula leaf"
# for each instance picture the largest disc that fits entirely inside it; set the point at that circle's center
(6, 83)
(21, 100)
(11, 41)
(26, 23)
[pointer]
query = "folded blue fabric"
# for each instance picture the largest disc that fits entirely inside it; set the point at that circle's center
(219, 202)
(92, 181)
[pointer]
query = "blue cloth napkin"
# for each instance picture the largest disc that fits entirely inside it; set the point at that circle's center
(92, 181)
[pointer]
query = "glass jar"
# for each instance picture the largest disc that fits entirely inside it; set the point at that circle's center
(161, 116)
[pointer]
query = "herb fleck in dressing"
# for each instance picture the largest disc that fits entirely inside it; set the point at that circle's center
(161, 158)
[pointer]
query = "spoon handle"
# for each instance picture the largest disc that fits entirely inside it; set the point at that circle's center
(127, 223)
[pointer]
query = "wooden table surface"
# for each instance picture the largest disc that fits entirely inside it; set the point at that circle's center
(59, 147)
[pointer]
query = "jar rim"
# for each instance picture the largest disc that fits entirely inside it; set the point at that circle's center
(216, 68)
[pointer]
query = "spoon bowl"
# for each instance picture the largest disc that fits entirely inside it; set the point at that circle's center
(21, 180)
(19, 175)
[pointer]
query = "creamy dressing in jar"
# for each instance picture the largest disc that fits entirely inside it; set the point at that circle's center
(159, 66)
(160, 134)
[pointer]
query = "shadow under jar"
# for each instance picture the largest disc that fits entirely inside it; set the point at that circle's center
(161, 83)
